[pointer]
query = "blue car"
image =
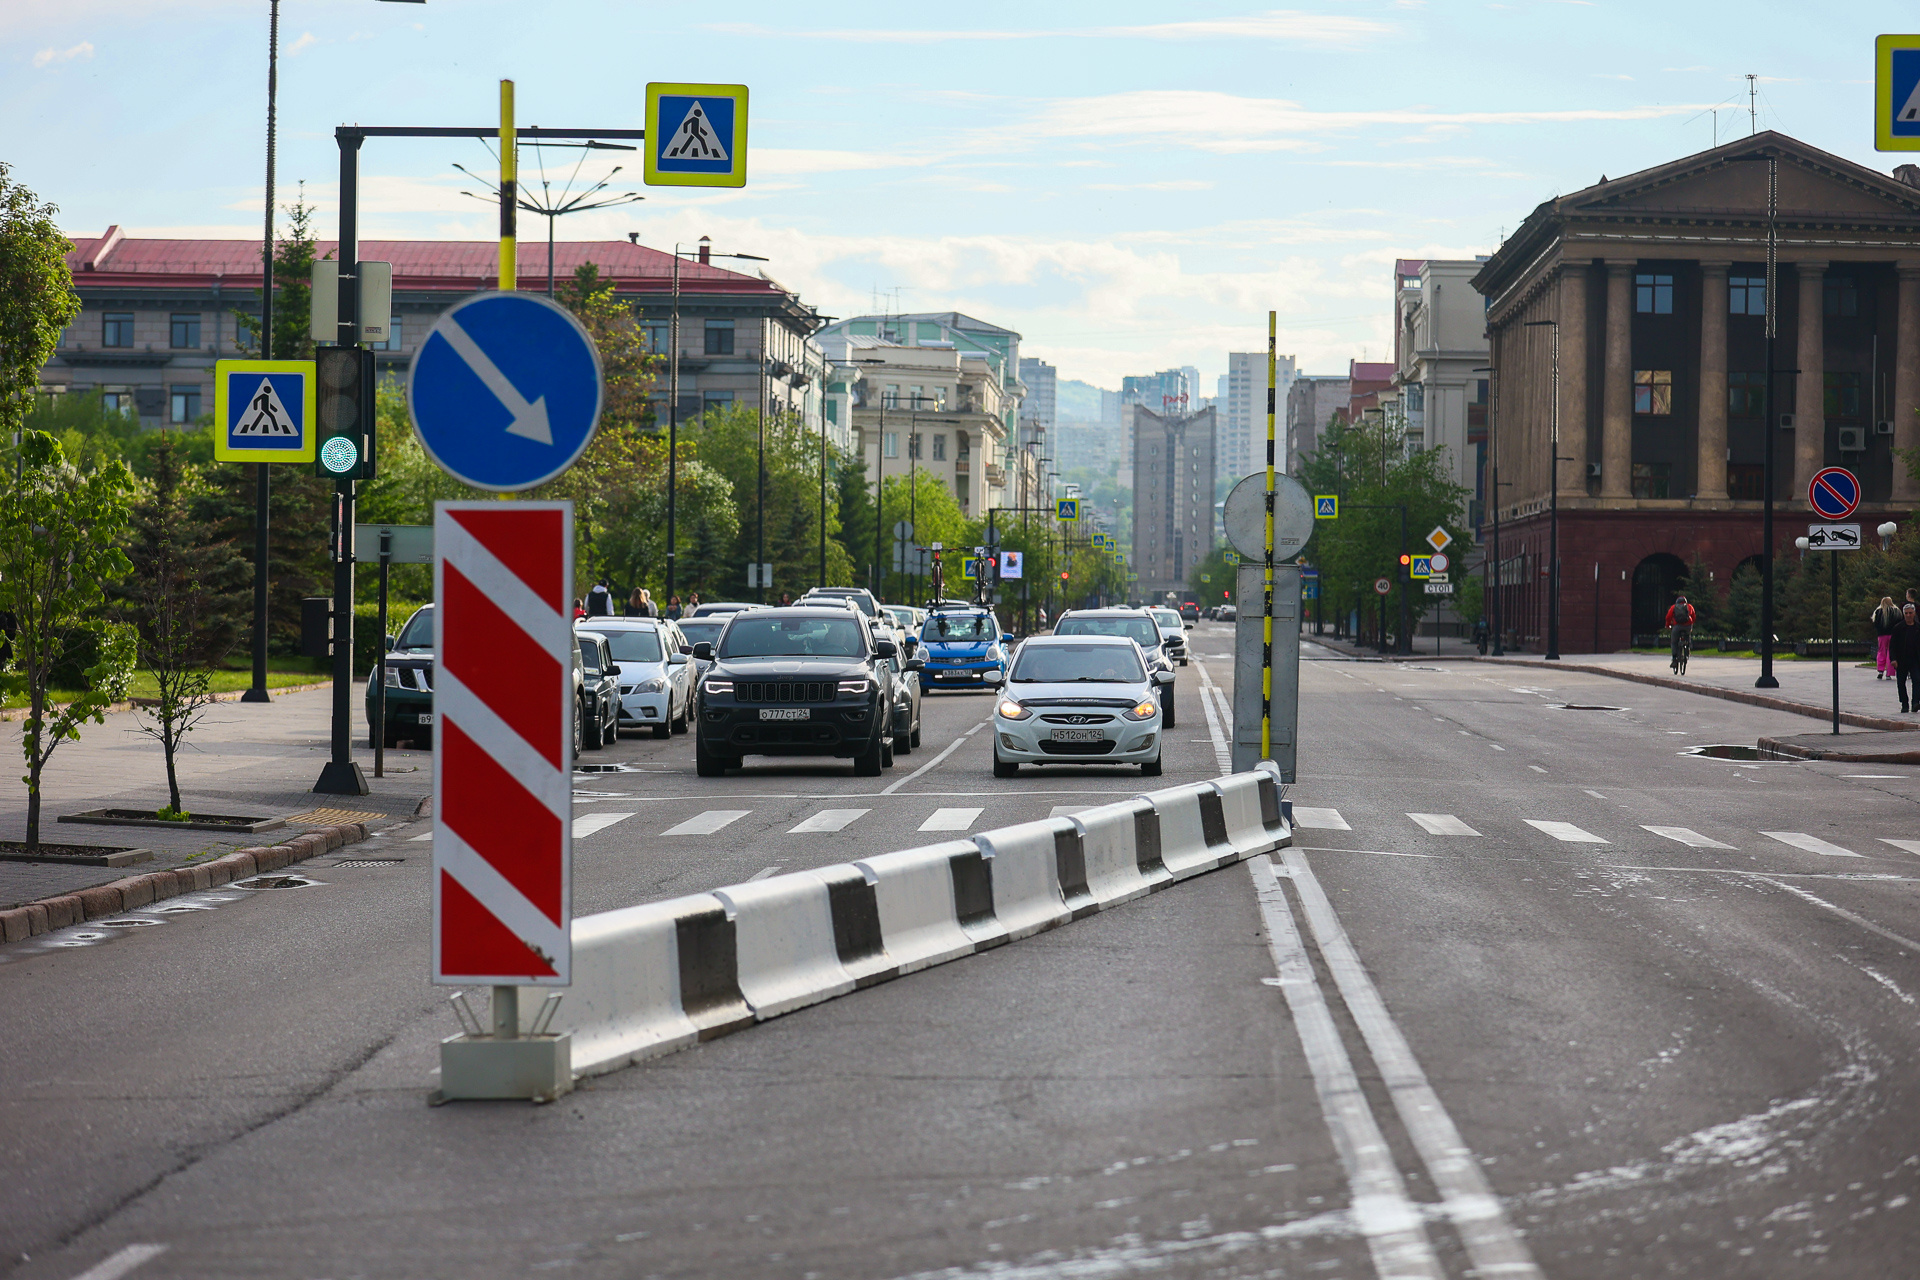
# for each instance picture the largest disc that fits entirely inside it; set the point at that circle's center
(964, 648)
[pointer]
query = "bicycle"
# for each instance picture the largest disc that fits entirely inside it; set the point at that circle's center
(1682, 646)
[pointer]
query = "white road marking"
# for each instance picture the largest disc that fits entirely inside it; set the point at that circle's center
(121, 1263)
(588, 823)
(1442, 824)
(1910, 846)
(1379, 853)
(1321, 819)
(829, 820)
(1222, 754)
(1492, 1245)
(1873, 775)
(1686, 836)
(1812, 844)
(1536, 768)
(1395, 1233)
(1565, 831)
(705, 824)
(1496, 746)
(949, 820)
(951, 748)
(423, 836)
(1595, 794)
(1842, 912)
(763, 873)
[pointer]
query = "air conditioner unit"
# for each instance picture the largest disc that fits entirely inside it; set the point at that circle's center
(1883, 428)
(1853, 439)
(1593, 471)
(1786, 422)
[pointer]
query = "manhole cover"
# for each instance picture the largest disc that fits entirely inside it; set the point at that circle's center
(369, 862)
(604, 768)
(274, 882)
(126, 924)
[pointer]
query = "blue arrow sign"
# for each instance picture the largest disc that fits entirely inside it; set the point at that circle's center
(505, 392)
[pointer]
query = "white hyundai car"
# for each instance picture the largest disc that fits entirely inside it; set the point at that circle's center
(656, 679)
(1079, 699)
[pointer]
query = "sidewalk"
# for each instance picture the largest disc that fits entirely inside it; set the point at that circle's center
(258, 759)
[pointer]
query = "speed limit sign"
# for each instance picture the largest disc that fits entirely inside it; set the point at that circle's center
(1382, 585)
(1440, 562)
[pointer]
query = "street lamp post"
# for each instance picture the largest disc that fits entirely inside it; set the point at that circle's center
(1767, 679)
(1493, 495)
(1553, 500)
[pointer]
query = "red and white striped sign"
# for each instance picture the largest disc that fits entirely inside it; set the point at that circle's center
(503, 729)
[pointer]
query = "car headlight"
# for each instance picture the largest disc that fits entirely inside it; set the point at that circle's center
(393, 678)
(1145, 709)
(1011, 710)
(994, 654)
(654, 685)
(855, 686)
(718, 686)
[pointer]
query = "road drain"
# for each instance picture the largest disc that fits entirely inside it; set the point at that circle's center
(126, 924)
(274, 882)
(604, 768)
(369, 862)
(1585, 706)
(1725, 752)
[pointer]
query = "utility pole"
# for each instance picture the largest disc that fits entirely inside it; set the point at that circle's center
(263, 471)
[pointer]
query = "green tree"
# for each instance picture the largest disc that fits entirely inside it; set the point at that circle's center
(186, 599)
(850, 490)
(37, 299)
(60, 531)
(628, 369)
(293, 260)
(730, 442)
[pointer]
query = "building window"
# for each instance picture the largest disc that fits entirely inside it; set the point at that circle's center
(1747, 295)
(184, 401)
(116, 399)
(940, 448)
(116, 329)
(1841, 296)
(891, 400)
(392, 340)
(1653, 391)
(715, 401)
(1842, 395)
(1653, 294)
(832, 407)
(1746, 481)
(914, 396)
(890, 444)
(719, 337)
(1746, 395)
(940, 399)
(183, 332)
(1650, 479)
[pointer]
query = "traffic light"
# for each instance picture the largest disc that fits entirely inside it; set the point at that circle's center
(345, 382)
(1405, 560)
(1064, 575)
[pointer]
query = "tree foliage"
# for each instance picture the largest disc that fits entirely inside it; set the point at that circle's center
(730, 442)
(37, 299)
(293, 258)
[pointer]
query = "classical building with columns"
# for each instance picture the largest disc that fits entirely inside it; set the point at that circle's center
(1652, 290)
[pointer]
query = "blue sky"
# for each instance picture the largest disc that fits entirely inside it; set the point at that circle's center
(1130, 185)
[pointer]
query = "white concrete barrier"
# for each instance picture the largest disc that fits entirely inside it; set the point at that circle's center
(919, 918)
(624, 1003)
(1184, 847)
(1240, 803)
(1109, 848)
(783, 935)
(1027, 896)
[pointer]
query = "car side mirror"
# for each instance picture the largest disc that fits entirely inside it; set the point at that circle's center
(678, 659)
(886, 649)
(1006, 637)
(686, 648)
(1189, 626)
(1163, 677)
(916, 664)
(1169, 641)
(393, 642)
(613, 669)
(704, 651)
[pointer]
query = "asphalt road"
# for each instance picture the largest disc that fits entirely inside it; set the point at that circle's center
(1434, 1038)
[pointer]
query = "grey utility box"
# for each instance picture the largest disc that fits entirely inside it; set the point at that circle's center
(1248, 632)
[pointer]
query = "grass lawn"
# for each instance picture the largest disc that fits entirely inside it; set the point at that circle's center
(281, 673)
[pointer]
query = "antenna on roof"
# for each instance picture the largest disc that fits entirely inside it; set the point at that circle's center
(1753, 108)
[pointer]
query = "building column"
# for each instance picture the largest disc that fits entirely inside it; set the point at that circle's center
(1710, 475)
(1810, 385)
(1906, 381)
(1616, 441)
(1573, 379)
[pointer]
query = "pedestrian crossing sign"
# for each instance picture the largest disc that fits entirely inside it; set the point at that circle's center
(263, 410)
(1067, 509)
(1422, 567)
(1326, 506)
(1099, 541)
(1896, 93)
(696, 135)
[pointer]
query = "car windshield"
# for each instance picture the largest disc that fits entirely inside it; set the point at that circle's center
(1166, 617)
(634, 646)
(757, 637)
(960, 626)
(697, 630)
(1142, 630)
(1078, 663)
(419, 632)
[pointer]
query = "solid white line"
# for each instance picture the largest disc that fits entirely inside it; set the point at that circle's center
(588, 823)
(1222, 754)
(951, 748)
(705, 824)
(122, 1262)
(1564, 831)
(950, 820)
(1478, 1216)
(829, 820)
(1442, 824)
(1812, 844)
(1319, 819)
(1842, 912)
(1686, 836)
(1395, 1234)
(763, 873)
(1909, 846)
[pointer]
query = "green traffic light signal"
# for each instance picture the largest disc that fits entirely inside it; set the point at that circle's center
(344, 378)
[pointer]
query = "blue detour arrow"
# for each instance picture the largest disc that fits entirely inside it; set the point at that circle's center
(506, 391)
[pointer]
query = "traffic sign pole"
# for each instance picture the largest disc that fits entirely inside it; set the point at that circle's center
(1266, 606)
(509, 196)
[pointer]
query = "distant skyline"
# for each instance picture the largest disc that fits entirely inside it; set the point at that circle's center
(1129, 191)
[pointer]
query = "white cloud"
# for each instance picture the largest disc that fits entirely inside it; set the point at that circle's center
(48, 57)
(306, 41)
(1275, 24)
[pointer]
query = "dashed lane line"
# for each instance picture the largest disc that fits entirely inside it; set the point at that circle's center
(1811, 844)
(951, 819)
(588, 823)
(829, 820)
(952, 747)
(123, 1262)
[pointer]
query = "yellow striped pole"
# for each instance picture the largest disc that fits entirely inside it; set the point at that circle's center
(1266, 608)
(509, 193)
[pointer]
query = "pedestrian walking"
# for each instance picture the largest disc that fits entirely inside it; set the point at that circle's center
(1885, 619)
(599, 600)
(693, 603)
(1905, 646)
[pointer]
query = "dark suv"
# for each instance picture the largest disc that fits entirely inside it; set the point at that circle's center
(796, 682)
(409, 697)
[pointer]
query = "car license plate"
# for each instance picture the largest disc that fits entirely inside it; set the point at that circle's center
(1078, 735)
(426, 717)
(784, 713)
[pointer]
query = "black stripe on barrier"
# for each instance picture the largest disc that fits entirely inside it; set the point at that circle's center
(1270, 815)
(1213, 818)
(1146, 845)
(1070, 867)
(710, 973)
(856, 927)
(973, 899)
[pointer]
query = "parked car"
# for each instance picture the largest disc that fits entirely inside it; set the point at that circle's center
(1173, 632)
(1080, 699)
(703, 627)
(796, 682)
(862, 598)
(596, 720)
(907, 695)
(409, 694)
(963, 648)
(656, 678)
(1137, 625)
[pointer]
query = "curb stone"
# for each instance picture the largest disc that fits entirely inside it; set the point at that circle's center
(138, 891)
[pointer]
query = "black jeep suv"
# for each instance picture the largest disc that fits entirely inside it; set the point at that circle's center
(796, 682)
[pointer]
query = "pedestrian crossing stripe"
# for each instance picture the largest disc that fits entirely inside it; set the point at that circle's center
(264, 410)
(696, 135)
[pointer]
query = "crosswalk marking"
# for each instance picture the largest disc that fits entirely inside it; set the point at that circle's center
(1320, 819)
(1812, 844)
(705, 824)
(949, 819)
(1565, 831)
(829, 820)
(1442, 824)
(1910, 846)
(588, 823)
(1686, 836)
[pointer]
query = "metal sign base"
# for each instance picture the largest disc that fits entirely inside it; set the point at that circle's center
(338, 779)
(1248, 635)
(537, 1068)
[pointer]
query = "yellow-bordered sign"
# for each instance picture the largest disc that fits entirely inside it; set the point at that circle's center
(696, 135)
(1066, 508)
(1896, 93)
(264, 410)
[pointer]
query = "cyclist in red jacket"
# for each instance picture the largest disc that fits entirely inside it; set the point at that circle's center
(1680, 618)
